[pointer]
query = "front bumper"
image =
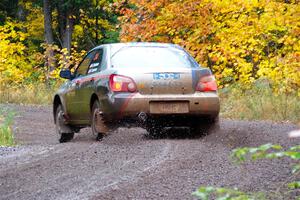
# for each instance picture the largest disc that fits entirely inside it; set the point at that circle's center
(131, 104)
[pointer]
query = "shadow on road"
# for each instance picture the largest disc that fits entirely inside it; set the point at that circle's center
(176, 133)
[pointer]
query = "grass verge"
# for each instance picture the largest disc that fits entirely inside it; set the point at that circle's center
(6, 121)
(38, 94)
(259, 103)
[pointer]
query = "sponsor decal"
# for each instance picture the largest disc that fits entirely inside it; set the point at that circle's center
(92, 70)
(94, 65)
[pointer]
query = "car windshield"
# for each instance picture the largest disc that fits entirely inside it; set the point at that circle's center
(151, 58)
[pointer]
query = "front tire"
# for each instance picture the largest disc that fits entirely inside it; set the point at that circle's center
(63, 131)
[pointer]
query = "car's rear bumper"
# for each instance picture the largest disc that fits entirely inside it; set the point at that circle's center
(130, 105)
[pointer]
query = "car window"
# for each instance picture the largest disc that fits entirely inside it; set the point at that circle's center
(152, 58)
(84, 65)
(96, 62)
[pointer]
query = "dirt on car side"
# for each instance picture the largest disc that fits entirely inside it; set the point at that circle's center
(127, 164)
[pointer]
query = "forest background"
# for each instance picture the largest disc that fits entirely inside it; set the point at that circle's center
(252, 46)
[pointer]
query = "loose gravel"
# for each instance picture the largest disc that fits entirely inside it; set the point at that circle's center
(127, 164)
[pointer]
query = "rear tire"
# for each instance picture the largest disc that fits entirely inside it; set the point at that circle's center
(64, 132)
(205, 126)
(95, 109)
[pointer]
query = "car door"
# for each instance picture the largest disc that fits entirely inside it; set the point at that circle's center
(73, 97)
(88, 87)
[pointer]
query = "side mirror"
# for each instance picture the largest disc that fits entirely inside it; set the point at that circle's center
(65, 73)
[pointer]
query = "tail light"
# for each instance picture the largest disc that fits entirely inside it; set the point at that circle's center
(207, 84)
(118, 83)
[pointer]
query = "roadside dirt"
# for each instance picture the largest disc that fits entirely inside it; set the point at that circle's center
(129, 165)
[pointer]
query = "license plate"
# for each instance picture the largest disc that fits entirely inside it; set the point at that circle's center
(166, 76)
(169, 107)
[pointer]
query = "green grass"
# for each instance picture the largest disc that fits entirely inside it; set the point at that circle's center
(259, 103)
(6, 121)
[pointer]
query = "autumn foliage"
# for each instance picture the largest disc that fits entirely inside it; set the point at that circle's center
(241, 41)
(26, 58)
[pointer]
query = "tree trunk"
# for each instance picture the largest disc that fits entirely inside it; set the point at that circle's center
(21, 13)
(97, 23)
(61, 19)
(49, 53)
(48, 22)
(67, 35)
(66, 23)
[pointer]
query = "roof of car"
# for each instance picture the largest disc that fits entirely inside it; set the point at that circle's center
(154, 44)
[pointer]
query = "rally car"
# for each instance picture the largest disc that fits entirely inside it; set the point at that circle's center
(152, 85)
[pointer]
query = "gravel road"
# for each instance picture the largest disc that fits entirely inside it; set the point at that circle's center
(129, 165)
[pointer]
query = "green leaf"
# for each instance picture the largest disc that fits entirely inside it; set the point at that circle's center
(275, 155)
(200, 195)
(295, 148)
(277, 147)
(293, 154)
(265, 147)
(296, 168)
(294, 185)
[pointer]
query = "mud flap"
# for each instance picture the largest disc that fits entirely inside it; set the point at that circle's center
(100, 124)
(63, 127)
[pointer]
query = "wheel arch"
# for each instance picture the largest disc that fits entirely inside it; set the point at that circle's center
(94, 98)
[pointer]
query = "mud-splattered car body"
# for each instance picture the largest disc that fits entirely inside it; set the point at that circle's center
(133, 82)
